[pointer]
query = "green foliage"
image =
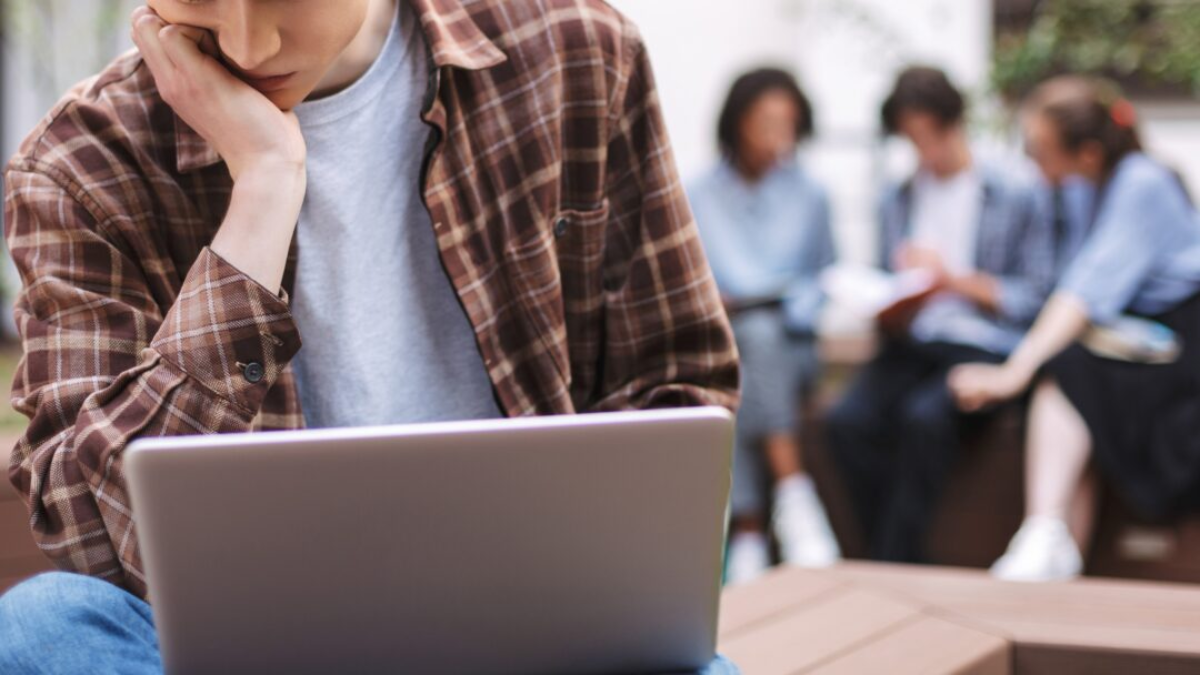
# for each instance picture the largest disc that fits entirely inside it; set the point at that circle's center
(1148, 43)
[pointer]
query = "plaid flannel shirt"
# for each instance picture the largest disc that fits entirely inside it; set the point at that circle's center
(558, 213)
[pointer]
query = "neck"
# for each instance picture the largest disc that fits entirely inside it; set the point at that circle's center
(752, 173)
(1095, 173)
(362, 52)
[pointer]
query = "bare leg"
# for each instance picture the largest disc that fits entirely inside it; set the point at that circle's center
(783, 461)
(1059, 494)
(1085, 507)
(783, 455)
(1059, 447)
(749, 523)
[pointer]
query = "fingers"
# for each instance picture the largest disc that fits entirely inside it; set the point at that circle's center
(955, 377)
(146, 27)
(176, 56)
(203, 39)
(182, 45)
(967, 395)
(194, 67)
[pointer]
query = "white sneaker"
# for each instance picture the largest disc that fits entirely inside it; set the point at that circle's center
(801, 526)
(1042, 550)
(749, 557)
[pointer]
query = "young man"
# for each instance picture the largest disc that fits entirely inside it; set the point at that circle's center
(977, 229)
(766, 225)
(489, 223)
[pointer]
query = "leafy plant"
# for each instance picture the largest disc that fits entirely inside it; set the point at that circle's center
(1146, 44)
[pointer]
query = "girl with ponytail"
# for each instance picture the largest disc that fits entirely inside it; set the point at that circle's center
(1114, 357)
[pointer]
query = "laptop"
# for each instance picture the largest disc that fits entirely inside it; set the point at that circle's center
(569, 545)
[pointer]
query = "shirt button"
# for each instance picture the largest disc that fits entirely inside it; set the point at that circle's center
(254, 373)
(560, 227)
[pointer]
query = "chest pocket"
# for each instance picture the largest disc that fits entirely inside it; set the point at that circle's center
(559, 279)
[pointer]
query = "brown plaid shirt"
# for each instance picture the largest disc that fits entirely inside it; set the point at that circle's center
(559, 217)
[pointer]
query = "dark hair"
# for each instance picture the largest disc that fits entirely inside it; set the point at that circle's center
(925, 90)
(746, 91)
(1089, 110)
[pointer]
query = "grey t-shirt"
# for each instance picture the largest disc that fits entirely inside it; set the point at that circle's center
(385, 338)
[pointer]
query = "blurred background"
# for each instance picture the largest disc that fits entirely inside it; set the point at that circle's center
(846, 54)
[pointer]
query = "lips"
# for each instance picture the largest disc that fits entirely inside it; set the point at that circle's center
(270, 83)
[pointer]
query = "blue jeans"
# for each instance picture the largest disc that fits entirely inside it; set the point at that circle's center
(66, 624)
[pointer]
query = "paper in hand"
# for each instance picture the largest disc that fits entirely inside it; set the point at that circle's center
(869, 292)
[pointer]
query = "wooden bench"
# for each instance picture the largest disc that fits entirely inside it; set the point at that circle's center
(793, 622)
(866, 618)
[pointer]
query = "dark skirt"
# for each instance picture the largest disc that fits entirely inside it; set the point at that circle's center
(1144, 419)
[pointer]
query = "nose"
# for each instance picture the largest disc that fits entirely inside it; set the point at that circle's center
(249, 37)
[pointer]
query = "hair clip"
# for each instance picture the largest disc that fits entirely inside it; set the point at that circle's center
(1123, 113)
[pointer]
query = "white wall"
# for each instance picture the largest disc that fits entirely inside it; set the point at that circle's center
(846, 53)
(698, 48)
(1171, 131)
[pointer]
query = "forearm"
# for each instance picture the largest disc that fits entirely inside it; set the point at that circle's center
(257, 231)
(80, 515)
(1061, 323)
(82, 418)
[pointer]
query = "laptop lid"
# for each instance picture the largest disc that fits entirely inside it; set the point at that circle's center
(559, 545)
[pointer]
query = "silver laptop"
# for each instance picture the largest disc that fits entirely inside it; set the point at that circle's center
(557, 545)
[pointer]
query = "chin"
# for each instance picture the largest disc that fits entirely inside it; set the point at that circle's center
(287, 99)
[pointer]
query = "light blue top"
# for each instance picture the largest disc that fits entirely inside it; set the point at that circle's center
(1143, 253)
(766, 239)
(386, 340)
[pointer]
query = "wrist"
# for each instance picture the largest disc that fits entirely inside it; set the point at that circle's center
(1022, 369)
(270, 170)
(952, 283)
(273, 190)
(261, 220)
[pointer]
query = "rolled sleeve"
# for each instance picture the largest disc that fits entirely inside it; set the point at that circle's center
(106, 362)
(228, 332)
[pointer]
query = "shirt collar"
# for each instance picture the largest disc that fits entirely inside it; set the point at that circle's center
(454, 39)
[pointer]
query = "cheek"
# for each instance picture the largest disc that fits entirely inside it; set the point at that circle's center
(925, 151)
(331, 34)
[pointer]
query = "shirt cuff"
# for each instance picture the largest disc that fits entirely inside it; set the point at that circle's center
(228, 332)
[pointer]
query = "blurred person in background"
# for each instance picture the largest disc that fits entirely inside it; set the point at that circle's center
(765, 224)
(976, 229)
(1128, 406)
